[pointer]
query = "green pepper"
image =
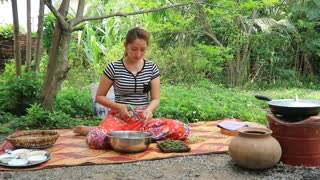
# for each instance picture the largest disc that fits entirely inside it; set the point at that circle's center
(131, 107)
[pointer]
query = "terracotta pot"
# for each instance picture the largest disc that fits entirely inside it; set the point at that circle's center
(255, 148)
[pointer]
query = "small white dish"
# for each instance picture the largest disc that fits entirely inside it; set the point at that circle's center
(37, 153)
(22, 153)
(35, 159)
(5, 158)
(18, 162)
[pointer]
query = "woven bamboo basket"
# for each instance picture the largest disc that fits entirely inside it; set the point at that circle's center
(33, 139)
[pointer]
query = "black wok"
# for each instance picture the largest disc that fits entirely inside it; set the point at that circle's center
(292, 107)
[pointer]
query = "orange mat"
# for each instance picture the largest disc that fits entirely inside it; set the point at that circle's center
(71, 150)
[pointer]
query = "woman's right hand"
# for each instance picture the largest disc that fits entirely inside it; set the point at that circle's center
(124, 111)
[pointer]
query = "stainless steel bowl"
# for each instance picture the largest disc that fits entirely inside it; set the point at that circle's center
(129, 141)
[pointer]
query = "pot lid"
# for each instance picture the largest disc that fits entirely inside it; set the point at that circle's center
(295, 103)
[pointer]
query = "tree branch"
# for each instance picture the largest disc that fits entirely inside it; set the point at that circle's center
(80, 11)
(78, 28)
(60, 18)
(132, 13)
(178, 7)
(203, 19)
(212, 37)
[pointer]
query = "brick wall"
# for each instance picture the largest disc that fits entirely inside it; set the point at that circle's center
(7, 49)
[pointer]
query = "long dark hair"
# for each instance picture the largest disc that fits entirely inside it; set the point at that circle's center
(136, 33)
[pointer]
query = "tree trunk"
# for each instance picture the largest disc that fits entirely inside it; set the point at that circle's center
(237, 66)
(17, 54)
(231, 73)
(242, 61)
(245, 61)
(54, 81)
(28, 46)
(39, 37)
(58, 60)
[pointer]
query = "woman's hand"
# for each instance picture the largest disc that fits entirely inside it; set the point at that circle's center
(148, 115)
(124, 111)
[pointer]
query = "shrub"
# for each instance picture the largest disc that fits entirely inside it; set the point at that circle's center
(38, 117)
(6, 32)
(189, 64)
(74, 102)
(18, 93)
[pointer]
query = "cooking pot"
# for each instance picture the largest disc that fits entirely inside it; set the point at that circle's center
(292, 107)
(129, 141)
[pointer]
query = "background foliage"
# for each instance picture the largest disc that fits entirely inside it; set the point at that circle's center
(267, 47)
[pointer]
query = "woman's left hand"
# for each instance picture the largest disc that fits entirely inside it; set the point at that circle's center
(147, 114)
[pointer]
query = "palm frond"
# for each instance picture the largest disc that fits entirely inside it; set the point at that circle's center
(270, 25)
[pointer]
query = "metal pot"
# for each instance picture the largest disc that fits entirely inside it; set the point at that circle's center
(292, 107)
(129, 141)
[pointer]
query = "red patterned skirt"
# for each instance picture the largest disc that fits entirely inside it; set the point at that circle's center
(161, 128)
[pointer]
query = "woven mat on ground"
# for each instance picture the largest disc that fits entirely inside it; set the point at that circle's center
(71, 150)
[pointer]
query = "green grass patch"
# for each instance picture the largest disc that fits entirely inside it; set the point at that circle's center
(210, 102)
(188, 103)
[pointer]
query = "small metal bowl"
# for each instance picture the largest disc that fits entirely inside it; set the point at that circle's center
(129, 141)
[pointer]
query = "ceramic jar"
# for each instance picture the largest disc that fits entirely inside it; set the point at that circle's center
(255, 148)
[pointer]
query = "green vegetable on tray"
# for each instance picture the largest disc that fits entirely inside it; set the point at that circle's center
(172, 144)
(168, 146)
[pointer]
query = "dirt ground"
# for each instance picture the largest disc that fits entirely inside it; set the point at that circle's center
(211, 166)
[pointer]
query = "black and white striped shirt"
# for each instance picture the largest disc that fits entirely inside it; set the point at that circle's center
(130, 89)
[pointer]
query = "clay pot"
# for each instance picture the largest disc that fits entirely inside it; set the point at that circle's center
(255, 148)
(299, 141)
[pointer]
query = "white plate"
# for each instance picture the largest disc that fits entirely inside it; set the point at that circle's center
(22, 164)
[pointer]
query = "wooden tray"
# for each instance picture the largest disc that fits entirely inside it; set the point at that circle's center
(184, 147)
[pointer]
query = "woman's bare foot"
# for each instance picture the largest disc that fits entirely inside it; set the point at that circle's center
(82, 130)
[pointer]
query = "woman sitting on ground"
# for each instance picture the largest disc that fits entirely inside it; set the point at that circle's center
(135, 80)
